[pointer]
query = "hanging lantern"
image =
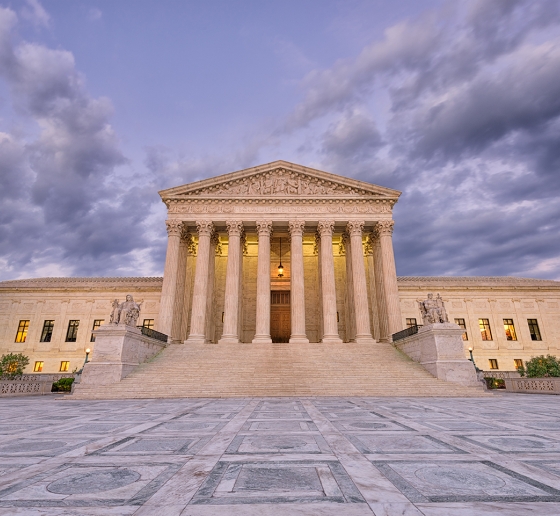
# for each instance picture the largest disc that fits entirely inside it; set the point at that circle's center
(280, 267)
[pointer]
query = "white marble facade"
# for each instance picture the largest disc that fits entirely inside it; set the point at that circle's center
(221, 282)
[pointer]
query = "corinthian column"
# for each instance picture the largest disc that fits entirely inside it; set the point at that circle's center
(361, 305)
(170, 273)
(231, 303)
(297, 294)
(384, 231)
(330, 324)
(200, 289)
(262, 333)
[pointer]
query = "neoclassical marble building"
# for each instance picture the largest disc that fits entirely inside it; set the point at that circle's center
(279, 253)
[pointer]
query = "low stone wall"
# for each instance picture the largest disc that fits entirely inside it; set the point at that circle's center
(439, 348)
(30, 385)
(533, 385)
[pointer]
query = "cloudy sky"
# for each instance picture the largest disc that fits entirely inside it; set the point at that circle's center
(455, 103)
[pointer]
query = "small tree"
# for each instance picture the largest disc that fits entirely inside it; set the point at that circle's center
(541, 367)
(12, 365)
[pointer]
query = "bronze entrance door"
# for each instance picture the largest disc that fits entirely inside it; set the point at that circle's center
(280, 320)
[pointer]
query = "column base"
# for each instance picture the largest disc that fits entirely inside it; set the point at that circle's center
(196, 339)
(298, 340)
(335, 339)
(226, 339)
(262, 339)
(364, 339)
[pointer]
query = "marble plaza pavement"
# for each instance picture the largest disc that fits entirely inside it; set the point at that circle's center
(277, 456)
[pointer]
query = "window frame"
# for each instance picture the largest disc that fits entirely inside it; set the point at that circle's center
(538, 333)
(46, 335)
(22, 331)
(492, 362)
(94, 327)
(150, 325)
(38, 366)
(510, 327)
(486, 330)
(462, 325)
(410, 324)
(515, 363)
(72, 331)
(64, 366)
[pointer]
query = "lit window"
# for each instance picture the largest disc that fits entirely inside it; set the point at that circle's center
(46, 334)
(38, 367)
(517, 362)
(64, 365)
(148, 323)
(509, 328)
(484, 325)
(72, 333)
(534, 329)
(410, 322)
(493, 363)
(21, 334)
(96, 324)
(461, 324)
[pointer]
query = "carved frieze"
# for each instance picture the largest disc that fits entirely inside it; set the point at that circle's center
(286, 205)
(280, 182)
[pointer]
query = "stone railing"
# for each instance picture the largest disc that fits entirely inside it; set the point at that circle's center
(31, 384)
(498, 374)
(533, 385)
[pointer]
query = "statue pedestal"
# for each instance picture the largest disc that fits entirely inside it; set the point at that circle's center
(439, 348)
(119, 349)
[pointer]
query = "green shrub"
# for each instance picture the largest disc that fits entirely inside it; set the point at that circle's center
(63, 385)
(494, 383)
(12, 365)
(541, 367)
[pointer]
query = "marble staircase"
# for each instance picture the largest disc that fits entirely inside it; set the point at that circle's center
(231, 370)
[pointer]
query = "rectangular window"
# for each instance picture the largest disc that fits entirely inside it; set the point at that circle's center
(72, 333)
(64, 365)
(493, 363)
(509, 328)
(96, 324)
(21, 334)
(149, 323)
(38, 368)
(517, 362)
(411, 321)
(534, 329)
(484, 325)
(461, 324)
(46, 334)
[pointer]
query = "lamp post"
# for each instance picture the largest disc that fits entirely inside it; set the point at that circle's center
(88, 351)
(472, 360)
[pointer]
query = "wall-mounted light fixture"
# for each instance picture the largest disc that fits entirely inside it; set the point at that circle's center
(280, 267)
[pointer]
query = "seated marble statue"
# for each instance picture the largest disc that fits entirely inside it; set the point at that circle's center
(433, 310)
(125, 313)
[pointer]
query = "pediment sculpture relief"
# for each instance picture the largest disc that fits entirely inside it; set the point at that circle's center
(279, 182)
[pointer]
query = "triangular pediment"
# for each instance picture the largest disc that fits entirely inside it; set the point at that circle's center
(279, 179)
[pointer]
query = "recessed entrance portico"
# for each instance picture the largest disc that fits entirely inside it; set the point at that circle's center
(223, 256)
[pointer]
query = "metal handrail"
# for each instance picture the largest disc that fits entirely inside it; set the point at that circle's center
(153, 333)
(407, 332)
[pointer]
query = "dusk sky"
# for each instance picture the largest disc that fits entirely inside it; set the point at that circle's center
(454, 103)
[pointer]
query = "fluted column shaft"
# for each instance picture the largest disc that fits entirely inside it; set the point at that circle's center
(330, 324)
(200, 289)
(394, 318)
(262, 333)
(231, 302)
(350, 318)
(169, 287)
(361, 305)
(297, 294)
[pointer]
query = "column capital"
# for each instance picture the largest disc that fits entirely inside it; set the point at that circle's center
(296, 227)
(384, 227)
(355, 227)
(205, 227)
(325, 227)
(264, 227)
(234, 227)
(174, 227)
